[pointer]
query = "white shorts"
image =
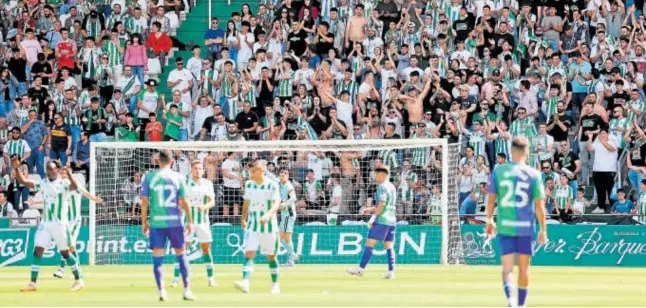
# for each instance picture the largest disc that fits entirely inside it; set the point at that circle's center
(74, 230)
(203, 232)
(52, 230)
(267, 242)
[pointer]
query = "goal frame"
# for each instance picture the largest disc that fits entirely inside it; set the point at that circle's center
(256, 146)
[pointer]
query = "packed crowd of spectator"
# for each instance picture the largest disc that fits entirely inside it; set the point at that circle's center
(568, 75)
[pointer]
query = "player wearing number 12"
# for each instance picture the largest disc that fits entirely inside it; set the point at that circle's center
(164, 191)
(261, 202)
(382, 223)
(519, 192)
(200, 199)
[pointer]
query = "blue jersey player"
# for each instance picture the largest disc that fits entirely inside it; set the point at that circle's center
(164, 192)
(382, 223)
(518, 191)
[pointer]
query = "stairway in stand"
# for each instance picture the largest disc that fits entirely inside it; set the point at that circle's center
(192, 30)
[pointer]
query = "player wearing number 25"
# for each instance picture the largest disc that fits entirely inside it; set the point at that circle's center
(164, 192)
(518, 191)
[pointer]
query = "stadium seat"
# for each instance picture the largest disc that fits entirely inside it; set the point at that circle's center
(30, 217)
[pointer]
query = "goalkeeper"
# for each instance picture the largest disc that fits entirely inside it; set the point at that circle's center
(382, 223)
(287, 215)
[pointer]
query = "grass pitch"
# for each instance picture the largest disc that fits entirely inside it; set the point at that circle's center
(329, 285)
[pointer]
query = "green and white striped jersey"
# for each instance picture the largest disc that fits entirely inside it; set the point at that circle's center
(197, 194)
(111, 49)
(312, 190)
(421, 156)
(406, 193)
(56, 197)
(352, 87)
(638, 104)
(286, 86)
(74, 214)
(524, 128)
(17, 147)
(261, 197)
(641, 206)
(615, 124)
(90, 57)
(561, 195)
(478, 141)
(389, 158)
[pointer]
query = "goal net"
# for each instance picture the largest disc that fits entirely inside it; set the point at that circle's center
(333, 180)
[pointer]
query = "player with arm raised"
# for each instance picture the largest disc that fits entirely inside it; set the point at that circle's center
(287, 215)
(74, 222)
(201, 198)
(164, 191)
(54, 225)
(259, 224)
(382, 223)
(518, 191)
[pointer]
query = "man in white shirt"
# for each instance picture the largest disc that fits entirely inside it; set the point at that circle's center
(180, 79)
(304, 74)
(231, 182)
(194, 66)
(604, 167)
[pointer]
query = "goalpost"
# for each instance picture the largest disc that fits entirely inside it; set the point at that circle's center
(323, 172)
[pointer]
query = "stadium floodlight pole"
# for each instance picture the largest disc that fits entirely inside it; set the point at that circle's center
(91, 244)
(444, 251)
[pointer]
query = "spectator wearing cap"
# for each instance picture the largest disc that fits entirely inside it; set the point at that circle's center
(94, 121)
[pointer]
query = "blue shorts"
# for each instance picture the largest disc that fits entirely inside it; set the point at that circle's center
(158, 237)
(382, 233)
(516, 244)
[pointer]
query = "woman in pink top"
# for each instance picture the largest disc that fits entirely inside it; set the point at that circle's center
(136, 57)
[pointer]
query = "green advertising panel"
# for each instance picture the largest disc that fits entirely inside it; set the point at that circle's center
(584, 245)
